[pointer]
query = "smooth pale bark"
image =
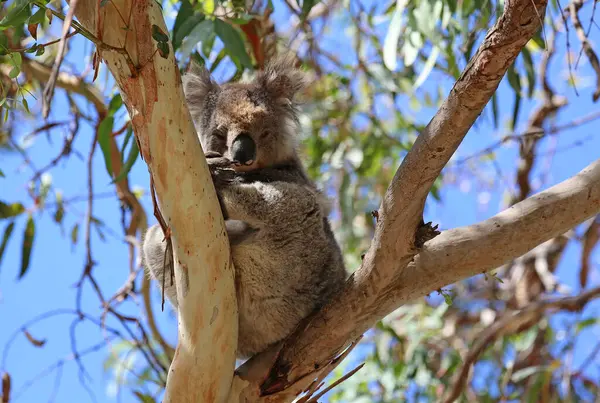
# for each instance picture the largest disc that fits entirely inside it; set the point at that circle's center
(202, 368)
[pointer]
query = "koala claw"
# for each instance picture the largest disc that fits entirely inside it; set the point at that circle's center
(218, 162)
(222, 176)
(212, 154)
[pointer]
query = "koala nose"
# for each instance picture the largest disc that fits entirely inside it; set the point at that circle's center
(243, 149)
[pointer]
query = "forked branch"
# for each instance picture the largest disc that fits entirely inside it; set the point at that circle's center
(375, 290)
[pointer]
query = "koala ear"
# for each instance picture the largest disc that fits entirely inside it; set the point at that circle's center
(197, 84)
(197, 87)
(281, 79)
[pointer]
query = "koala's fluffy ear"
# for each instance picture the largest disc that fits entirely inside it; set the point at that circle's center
(281, 79)
(197, 85)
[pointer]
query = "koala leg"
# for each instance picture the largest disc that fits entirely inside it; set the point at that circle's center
(157, 262)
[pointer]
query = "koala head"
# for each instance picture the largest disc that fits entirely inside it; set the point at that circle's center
(253, 123)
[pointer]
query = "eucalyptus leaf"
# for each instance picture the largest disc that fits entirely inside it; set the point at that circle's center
(10, 210)
(27, 246)
(427, 68)
(390, 44)
(233, 42)
(104, 134)
(5, 238)
(131, 158)
(16, 16)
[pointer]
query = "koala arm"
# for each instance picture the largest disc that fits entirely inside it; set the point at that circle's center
(282, 173)
(272, 205)
(157, 262)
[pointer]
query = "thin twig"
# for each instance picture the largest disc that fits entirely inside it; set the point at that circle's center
(513, 322)
(532, 132)
(316, 398)
(60, 54)
(574, 6)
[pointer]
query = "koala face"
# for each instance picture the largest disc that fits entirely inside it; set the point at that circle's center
(252, 124)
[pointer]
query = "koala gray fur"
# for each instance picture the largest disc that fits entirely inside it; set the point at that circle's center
(287, 260)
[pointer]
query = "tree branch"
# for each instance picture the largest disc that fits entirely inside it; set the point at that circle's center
(373, 290)
(511, 323)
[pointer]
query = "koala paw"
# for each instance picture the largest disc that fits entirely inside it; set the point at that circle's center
(216, 160)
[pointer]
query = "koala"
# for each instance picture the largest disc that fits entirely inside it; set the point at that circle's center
(286, 257)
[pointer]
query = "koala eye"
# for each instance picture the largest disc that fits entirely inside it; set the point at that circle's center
(265, 134)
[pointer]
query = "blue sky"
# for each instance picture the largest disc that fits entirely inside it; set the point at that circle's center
(56, 266)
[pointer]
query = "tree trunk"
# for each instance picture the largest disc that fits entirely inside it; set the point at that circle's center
(203, 365)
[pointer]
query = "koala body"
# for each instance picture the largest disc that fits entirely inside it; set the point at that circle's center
(286, 258)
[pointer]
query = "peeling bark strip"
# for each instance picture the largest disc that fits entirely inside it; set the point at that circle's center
(374, 290)
(151, 89)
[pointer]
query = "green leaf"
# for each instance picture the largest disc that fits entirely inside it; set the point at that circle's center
(158, 34)
(390, 43)
(10, 210)
(526, 373)
(74, 234)
(495, 110)
(242, 19)
(40, 50)
(537, 38)
(530, 69)
(186, 28)
(60, 209)
(410, 53)
(163, 49)
(429, 64)
(59, 214)
(202, 33)
(185, 22)
(515, 82)
(208, 6)
(185, 10)
(32, 49)
(143, 397)
(7, 233)
(14, 72)
(584, 323)
(16, 16)
(516, 108)
(104, 133)
(17, 58)
(38, 17)
(126, 141)
(115, 103)
(25, 105)
(233, 42)
(98, 225)
(307, 5)
(131, 158)
(452, 5)
(2, 172)
(103, 3)
(514, 79)
(28, 236)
